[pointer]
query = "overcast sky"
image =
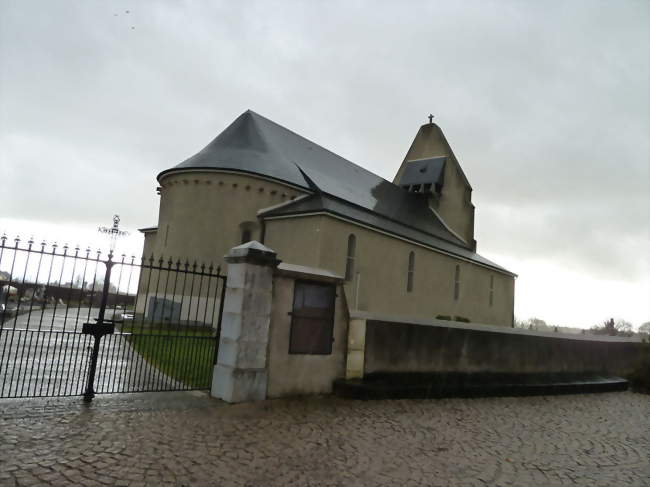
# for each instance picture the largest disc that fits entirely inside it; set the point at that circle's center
(545, 104)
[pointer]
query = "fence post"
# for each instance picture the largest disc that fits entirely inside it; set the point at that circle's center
(98, 330)
(241, 370)
(222, 298)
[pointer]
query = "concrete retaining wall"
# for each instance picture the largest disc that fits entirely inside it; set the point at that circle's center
(439, 346)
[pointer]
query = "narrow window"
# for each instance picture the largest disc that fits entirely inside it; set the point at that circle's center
(457, 283)
(409, 277)
(246, 235)
(246, 230)
(166, 234)
(491, 290)
(349, 263)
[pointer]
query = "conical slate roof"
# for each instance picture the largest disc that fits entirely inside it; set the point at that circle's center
(257, 145)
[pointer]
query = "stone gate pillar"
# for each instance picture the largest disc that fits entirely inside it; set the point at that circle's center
(241, 370)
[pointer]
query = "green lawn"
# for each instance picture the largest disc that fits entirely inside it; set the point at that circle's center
(185, 353)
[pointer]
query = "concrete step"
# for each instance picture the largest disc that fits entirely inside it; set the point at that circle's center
(439, 385)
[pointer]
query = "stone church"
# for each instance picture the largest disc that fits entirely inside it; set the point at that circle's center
(405, 248)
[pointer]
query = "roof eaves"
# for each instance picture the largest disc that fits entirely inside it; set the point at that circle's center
(230, 171)
(284, 204)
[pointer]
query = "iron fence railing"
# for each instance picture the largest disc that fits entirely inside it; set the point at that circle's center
(80, 322)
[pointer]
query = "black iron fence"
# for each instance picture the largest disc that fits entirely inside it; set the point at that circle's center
(80, 322)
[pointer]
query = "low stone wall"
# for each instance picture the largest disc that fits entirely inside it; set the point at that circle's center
(392, 346)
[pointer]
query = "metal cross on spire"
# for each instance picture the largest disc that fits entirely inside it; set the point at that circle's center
(430, 119)
(113, 232)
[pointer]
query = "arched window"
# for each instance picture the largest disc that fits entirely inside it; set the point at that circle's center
(491, 290)
(349, 262)
(457, 283)
(246, 235)
(247, 230)
(411, 269)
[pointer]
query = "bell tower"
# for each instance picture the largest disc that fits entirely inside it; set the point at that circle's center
(430, 167)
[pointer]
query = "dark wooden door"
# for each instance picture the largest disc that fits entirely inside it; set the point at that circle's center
(312, 323)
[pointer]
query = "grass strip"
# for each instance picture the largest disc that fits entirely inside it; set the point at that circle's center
(184, 355)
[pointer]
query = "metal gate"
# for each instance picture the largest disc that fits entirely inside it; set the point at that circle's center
(74, 322)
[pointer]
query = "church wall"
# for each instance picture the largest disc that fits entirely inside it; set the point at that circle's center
(455, 206)
(149, 243)
(381, 269)
(201, 217)
(296, 240)
(201, 213)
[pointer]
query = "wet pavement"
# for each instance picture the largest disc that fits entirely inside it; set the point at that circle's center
(42, 353)
(189, 439)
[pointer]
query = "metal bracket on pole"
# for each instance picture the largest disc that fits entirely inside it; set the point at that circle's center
(98, 330)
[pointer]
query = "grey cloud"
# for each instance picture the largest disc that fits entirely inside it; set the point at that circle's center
(545, 104)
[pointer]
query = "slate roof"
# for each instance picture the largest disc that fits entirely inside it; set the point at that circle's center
(424, 171)
(256, 145)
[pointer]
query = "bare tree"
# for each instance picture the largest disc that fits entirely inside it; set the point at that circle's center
(611, 328)
(624, 328)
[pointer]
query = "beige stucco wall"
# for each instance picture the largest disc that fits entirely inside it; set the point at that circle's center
(454, 205)
(297, 240)
(149, 243)
(201, 213)
(200, 219)
(381, 266)
(297, 374)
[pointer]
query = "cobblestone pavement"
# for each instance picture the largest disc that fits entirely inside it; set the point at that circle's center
(189, 439)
